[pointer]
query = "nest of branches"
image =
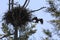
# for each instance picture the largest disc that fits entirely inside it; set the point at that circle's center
(17, 16)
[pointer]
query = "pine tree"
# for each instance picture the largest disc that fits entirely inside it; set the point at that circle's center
(55, 12)
(19, 17)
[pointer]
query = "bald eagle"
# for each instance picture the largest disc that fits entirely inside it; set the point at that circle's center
(37, 20)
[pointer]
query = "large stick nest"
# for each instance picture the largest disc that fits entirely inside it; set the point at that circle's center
(17, 16)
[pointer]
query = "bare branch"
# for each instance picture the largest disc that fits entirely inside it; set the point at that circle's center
(5, 36)
(37, 9)
(25, 3)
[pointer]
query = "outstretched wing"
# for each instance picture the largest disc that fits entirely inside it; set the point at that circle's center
(41, 20)
(35, 18)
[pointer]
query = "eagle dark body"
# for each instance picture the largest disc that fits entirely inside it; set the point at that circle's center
(17, 16)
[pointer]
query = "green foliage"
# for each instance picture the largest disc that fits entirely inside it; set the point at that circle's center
(6, 31)
(53, 9)
(26, 31)
(47, 32)
(55, 12)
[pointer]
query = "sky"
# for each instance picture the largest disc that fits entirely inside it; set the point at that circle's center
(34, 4)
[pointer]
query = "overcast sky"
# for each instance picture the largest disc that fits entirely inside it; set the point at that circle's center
(34, 4)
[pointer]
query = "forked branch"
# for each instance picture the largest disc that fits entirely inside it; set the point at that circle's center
(25, 3)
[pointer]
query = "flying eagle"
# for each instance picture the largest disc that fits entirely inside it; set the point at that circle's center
(37, 20)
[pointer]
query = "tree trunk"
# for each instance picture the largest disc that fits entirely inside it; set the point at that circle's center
(16, 34)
